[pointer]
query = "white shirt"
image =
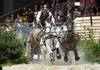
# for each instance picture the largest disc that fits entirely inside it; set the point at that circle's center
(50, 14)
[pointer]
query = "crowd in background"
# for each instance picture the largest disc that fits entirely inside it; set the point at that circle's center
(60, 11)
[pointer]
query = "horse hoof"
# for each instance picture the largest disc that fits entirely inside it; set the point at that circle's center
(66, 59)
(52, 57)
(52, 60)
(77, 58)
(58, 56)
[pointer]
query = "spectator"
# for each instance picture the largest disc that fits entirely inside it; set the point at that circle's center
(76, 13)
(64, 8)
(52, 9)
(41, 7)
(24, 18)
(57, 7)
(94, 10)
(53, 2)
(34, 19)
(42, 2)
(35, 8)
(12, 18)
(68, 14)
(24, 15)
(60, 16)
(18, 19)
(30, 16)
(97, 13)
(59, 11)
(8, 20)
(24, 11)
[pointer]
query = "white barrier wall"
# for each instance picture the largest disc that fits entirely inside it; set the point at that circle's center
(81, 22)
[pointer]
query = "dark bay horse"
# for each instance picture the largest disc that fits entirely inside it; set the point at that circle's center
(69, 43)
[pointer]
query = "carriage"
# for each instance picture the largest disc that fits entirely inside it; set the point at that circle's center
(62, 37)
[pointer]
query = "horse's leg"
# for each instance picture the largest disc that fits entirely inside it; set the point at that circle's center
(57, 49)
(43, 51)
(31, 54)
(38, 56)
(48, 46)
(38, 52)
(76, 54)
(44, 54)
(66, 56)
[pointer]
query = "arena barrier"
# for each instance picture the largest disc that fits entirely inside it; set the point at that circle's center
(82, 23)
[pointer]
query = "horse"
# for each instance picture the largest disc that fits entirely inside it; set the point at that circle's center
(52, 45)
(46, 29)
(51, 40)
(34, 42)
(69, 43)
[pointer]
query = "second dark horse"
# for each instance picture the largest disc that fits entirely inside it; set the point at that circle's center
(69, 43)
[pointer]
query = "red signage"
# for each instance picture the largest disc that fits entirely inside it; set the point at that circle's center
(93, 2)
